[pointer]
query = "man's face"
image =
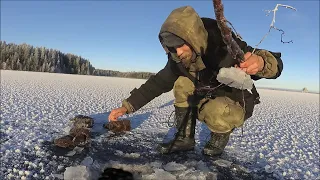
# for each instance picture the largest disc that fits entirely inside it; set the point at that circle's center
(184, 54)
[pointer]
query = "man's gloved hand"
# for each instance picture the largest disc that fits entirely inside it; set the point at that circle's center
(115, 113)
(252, 64)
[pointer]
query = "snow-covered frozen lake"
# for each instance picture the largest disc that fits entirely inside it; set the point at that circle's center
(280, 141)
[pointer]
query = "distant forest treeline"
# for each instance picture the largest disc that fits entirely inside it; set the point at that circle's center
(25, 57)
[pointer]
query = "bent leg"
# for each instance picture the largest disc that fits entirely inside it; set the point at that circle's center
(185, 126)
(221, 114)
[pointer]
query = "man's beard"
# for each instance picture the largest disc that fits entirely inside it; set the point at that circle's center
(186, 60)
(186, 63)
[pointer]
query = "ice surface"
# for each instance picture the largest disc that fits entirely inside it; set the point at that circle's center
(280, 139)
(173, 166)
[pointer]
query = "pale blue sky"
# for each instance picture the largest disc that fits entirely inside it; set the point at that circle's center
(123, 35)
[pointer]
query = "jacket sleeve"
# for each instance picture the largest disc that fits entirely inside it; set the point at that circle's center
(156, 85)
(273, 64)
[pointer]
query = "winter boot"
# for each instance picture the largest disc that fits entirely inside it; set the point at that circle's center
(215, 146)
(184, 138)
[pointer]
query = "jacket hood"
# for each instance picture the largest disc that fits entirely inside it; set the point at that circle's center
(186, 23)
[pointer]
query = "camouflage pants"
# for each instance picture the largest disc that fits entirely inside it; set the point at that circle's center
(220, 114)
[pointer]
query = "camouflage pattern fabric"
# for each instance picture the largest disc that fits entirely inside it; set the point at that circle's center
(185, 23)
(270, 64)
(220, 114)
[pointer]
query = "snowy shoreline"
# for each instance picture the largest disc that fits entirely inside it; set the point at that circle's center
(280, 141)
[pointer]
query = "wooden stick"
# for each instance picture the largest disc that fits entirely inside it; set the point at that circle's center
(232, 46)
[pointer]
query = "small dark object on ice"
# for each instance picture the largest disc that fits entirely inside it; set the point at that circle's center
(116, 174)
(79, 134)
(81, 121)
(64, 142)
(77, 137)
(118, 126)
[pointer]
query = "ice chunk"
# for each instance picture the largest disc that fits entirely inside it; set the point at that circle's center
(57, 176)
(212, 176)
(202, 166)
(223, 163)
(143, 169)
(185, 173)
(159, 174)
(173, 166)
(78, 149)
(198, 176)
(96, 165)
(60, 167)
(119, 153)
(235, 77)
(88, 161)
(76, 172)
(156, 164)
(132, 155)
(243, 169)
(128, 155)
(71, 153)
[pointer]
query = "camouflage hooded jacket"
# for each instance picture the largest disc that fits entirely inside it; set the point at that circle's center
(205, 38)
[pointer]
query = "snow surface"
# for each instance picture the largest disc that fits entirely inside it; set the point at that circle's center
(280, 141)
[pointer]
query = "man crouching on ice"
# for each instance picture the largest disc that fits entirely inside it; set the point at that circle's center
(195, 50)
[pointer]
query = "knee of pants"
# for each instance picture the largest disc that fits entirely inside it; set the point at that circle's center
(182, 89)
(221, 114)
